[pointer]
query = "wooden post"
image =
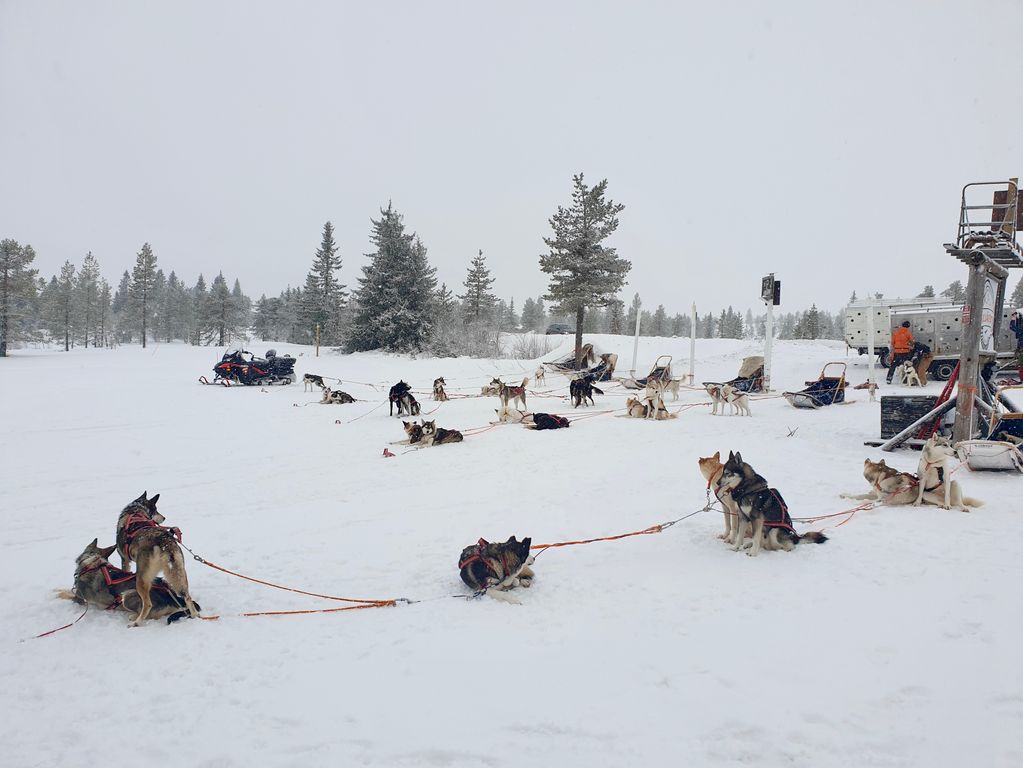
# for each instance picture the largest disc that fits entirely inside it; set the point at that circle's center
(317, 339)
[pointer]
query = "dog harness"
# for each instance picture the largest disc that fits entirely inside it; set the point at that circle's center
(941, 480)
(113, 577)
(781, 503)
(477, 557)
(139, 521)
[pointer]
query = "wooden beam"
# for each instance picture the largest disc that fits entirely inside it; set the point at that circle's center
(894, 442)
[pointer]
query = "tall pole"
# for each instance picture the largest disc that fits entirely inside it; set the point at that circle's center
(969, 363)
(870, 346)
(635, 342)
(768, 339)
(692, 345)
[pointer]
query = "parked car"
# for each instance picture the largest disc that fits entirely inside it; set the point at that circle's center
(559, 328)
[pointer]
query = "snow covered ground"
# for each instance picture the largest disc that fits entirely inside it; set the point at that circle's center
(894, 644)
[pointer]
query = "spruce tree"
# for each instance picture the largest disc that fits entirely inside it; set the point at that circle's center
(659, 324)
(1016, 300)
(105, 314)
(140, 293)
(394, 301)
(222, 310)
(926, 293)
(478, 302)
(17, 291)
(584, 273)
(955, 292)
(324, 296)
(201, 311)
(86, 300)
(811, 324)
(616, 317)
(62, 304)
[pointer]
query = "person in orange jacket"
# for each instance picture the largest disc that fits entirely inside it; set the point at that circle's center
(902, 348)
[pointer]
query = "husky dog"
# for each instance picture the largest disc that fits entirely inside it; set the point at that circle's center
(711, 468)
(738, 400)
(540, 376)
(762, 507)
(544, 421)
(311, 380)
(636, 409)
(714, 390)
(656, 409)
(890, 486)
(428, 433)
(907, 374)
(508, 393)
(672, 386)
(489, 390)
(395, 396)
(336, 397)
(141, 538)
(438, 389)
(582, 389)
(498, 567)
(506, 415)
(934, 472)
(99, 583)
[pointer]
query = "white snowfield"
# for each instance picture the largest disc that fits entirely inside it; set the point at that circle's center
(896, 643)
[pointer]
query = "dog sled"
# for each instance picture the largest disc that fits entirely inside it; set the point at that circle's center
(660, 375)
(1001, 450)
(567, 363)
(828, 389)
(750, 379)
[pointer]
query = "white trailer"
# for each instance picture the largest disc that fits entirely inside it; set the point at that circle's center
(938, 323)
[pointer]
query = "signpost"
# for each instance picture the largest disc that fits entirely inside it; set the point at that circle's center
(770, 292)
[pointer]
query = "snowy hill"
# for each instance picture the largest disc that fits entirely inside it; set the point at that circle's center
(893, 644)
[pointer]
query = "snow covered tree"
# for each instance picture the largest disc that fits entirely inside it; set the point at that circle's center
(1016, 300)
(60, 304)
(86, 300)
(659, 323)
(478, 302)
(926, 293)
(509, 317)
(228, 314)
(955, 291)
(616, 317)
(324, 295)
(141, 304)
(853, 299)
(17, 291)
(584, 273)
(394, 301)
(119, 310)
(531, 321)
(106, 314)
(811, 324)
(202, 312)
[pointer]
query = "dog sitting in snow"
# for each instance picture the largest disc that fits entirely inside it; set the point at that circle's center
(496, 567)
(935, 476)
(438, 389)
(508, 415)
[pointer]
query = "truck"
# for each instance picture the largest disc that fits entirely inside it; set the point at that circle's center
(937, 322)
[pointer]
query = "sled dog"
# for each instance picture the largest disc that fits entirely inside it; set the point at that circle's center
(311, 380)
(636, 409)
(428, 433)
(335, 397)
(100, 584)
(409, 404)
(739, 401)
(890, 486)
(544, 421)
(934, 472)
(711, 468)
(507, 415)
(582, 389)
(395, 396)
(497, 566)
(508, 393)
(540, 376)
(908, 374)
(760, 506)
(438, 389)
(155, 550)
(714, 390)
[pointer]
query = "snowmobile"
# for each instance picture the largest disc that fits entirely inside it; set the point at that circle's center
(241, 367)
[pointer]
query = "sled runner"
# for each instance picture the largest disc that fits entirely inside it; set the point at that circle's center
(659, 374)
(826, 390)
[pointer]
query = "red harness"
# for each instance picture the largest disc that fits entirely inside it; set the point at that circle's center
(112, 577)
(477, 557)
(139, 521)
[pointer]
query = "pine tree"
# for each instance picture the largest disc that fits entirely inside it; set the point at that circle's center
(584, 273)
(659, 324)
(1016, 300)
(119, 310)
(616, 317)
(510, 318)
(955, 292)
(242, 310)
(478, 302)
(17, 291)
(324, 296)
(529, 322)
(61, 301)
(853, 299)
(140, 293)
(394, 301)
(926, 293)
(86, 300)
(812, 324)
(630, 317)
(202, 312)
(106, 314)
(223, 311)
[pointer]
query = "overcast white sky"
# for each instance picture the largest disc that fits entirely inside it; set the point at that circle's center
(826, 143)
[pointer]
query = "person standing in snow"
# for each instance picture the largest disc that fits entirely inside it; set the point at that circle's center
(1016, 325)
(902, 348)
